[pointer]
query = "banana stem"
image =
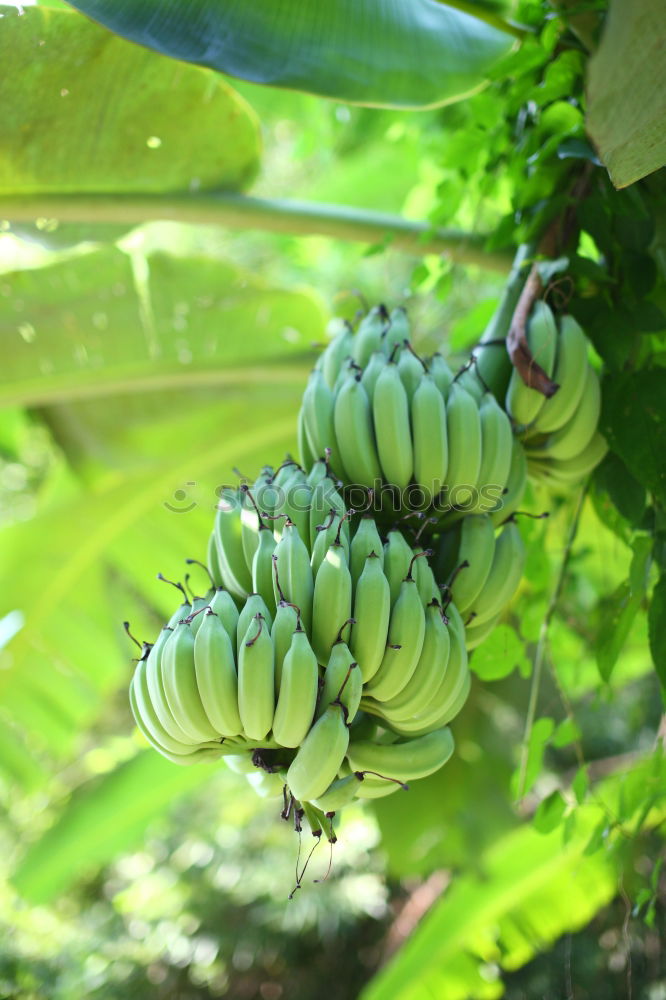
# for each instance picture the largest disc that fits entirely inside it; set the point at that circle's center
(543, 641)
(236, 211)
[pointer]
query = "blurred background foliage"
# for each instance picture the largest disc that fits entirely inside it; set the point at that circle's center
(144, 365)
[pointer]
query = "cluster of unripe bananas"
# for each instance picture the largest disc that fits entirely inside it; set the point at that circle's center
(331, 651)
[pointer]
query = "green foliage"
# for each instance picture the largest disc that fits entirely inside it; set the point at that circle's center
(137, 376)
(411, 56)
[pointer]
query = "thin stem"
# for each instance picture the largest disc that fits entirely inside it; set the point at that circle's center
(542, 643)
(241, 212)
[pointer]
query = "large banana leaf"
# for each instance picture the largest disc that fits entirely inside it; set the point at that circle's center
(94, 113)
(378, 53)
(627, 91)
(530, 888)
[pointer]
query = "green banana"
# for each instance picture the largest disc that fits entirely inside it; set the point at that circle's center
(371, 373)
(293, 573)
(355, 435)
(504, 577)
(572, 470)
(332, 601)
(397, 560)
(411, 370)
(195, 755)
(343, 682)
(570, 370)
(390, 408)
(284, 626)
(296, 505)
(396, 332)
(405, 761)
(325, 498)
(326, 536)
(262, 568)
(496, 450)
(213, 562)
(475, 557)
(335, 353)
(463, 425)
(432, 665)
(365, 541)
(441, 373)
(297, 696)
(305, 452)
(405, 642)
(318, 406)
(431, 448)
(236, 576)
(223, 605)
(319, 756)
(250, 513)
(372, 613)
(512, 497)
(339, 793)
(524, 404)
(180, 685)
(425, 580)
(368, 339)
(147, 719)
(256, 679)
(571, 439)
(217, 680)
(475, 634)
(254, 605)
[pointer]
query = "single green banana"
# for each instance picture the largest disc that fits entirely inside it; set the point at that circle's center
(343, 682)
(405, 642)
(523, 404)
(297, 698)
(250, 499)
(371, 373)
(236, 576)
(256, 679)
(569, 373)
(224, 606)
(431, 447)
(463, 425)
(318, 406)
(441, 373)
(475, 634)
(332, 602)
(254, 605)
(405, 761)
(426, 583)
(365, 541)
(355, 435)
(296, 505)
(397, 560)
(372, 613)
(284, 626)
(262, 568)
(397, 331)
(293, 573)
(504, 577)
(195, 616)
(305, 452)
(180, 685)
(217, 680)
(475, 557)
(368, 338)
(319, 756)
(510, 500)
(390, 409)
(213, 562)
(496, 450)
(432, 665)
(325, 498)
(335, 353)
(339, 793)
(325, 536)
(410, 369)
(574, 437)
(572, 470)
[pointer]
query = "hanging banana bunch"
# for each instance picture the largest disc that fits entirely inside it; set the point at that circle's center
(404, 426)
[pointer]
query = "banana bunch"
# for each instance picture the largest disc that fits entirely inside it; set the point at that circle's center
(404, 426)
(560, 435)
(482, 571)
(220, 681)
